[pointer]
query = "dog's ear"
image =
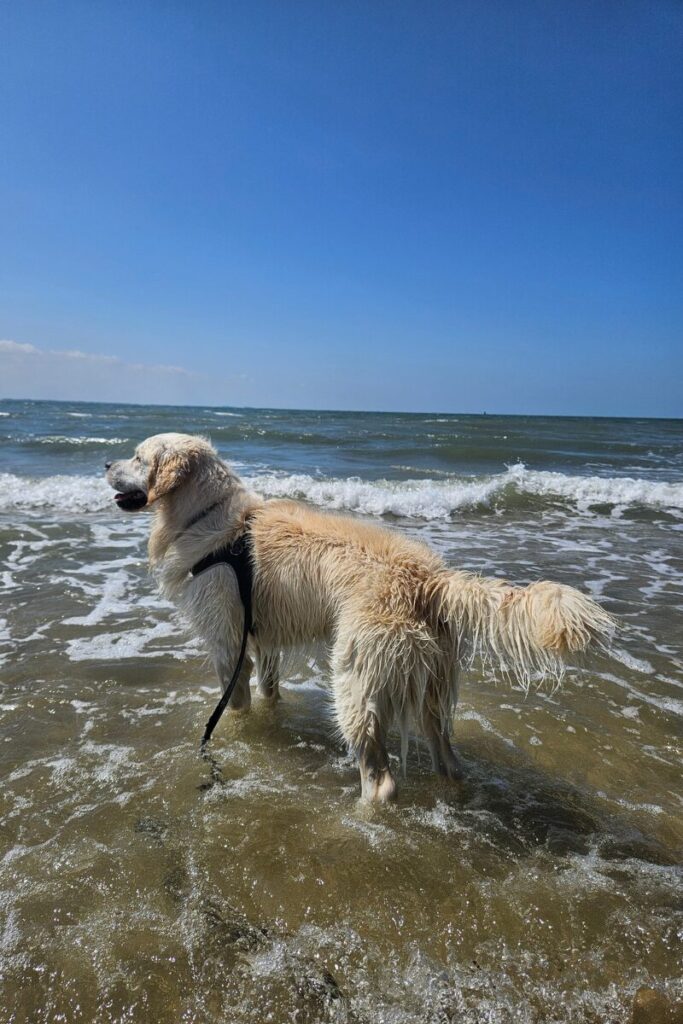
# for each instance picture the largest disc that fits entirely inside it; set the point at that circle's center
(169, 470)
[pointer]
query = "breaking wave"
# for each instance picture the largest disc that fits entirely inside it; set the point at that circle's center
(419, 499)
(439, 499)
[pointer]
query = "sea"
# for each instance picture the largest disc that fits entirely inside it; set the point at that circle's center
(139, 882)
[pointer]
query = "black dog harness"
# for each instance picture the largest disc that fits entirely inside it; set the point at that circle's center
(238, 556)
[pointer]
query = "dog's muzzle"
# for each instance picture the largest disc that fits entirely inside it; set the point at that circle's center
(131, 501)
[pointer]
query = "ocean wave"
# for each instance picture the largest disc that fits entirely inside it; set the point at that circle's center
(414, 499)
(430, 499)
(439, 499)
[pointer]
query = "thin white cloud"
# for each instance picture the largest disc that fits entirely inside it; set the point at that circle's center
(27, 371)
(16, 346)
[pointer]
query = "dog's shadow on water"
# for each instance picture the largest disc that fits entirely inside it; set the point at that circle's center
(518, 806)
(523, 808)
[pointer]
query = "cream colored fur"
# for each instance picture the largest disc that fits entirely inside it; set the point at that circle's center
(398, 622)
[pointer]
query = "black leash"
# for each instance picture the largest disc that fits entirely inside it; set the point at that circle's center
(238, 556)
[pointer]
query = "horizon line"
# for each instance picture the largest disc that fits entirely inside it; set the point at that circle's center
(347, 412)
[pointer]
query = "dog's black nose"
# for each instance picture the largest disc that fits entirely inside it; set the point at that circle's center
(107, 465)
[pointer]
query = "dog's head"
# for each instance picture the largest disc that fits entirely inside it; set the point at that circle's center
(161, 465)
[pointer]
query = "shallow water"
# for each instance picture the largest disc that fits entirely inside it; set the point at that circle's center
(140, 883)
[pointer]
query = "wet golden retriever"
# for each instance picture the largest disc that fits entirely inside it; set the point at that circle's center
(398, 622)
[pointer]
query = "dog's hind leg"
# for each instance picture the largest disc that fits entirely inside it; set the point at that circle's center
(377, 782)
(359, 723)
(444, 759)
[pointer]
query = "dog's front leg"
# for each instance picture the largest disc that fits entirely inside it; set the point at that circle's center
(268, 673)
(224, 665)
(212, 603)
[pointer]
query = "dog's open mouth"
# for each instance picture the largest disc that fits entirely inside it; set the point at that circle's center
(131, 501)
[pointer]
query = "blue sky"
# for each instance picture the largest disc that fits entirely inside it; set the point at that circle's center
(455, 206)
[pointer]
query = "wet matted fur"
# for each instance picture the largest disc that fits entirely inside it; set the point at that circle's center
(398, 622)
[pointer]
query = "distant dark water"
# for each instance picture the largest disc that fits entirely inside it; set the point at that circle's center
(339, 443)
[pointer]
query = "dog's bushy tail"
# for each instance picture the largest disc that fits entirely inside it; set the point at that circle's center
(525, 631)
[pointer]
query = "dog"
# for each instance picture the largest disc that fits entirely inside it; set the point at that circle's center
(398, 623)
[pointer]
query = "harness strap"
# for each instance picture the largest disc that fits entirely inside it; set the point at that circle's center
(238, 556)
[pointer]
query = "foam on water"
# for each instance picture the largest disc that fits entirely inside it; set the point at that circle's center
(672, 705)
(113, 599)
(130, 643)
(5, 641)
(421, 499)
(593, 490)
(63, 439)
(55, 493)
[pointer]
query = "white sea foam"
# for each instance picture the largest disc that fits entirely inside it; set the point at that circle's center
(60, 493)
(375, 833)
(5, 640)
(636, 664)
(597, 490)
(669, 704)
(420, 499)
(6, 581)
(132, 643)
(76, 440)
(429, 499)
(111, 602)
